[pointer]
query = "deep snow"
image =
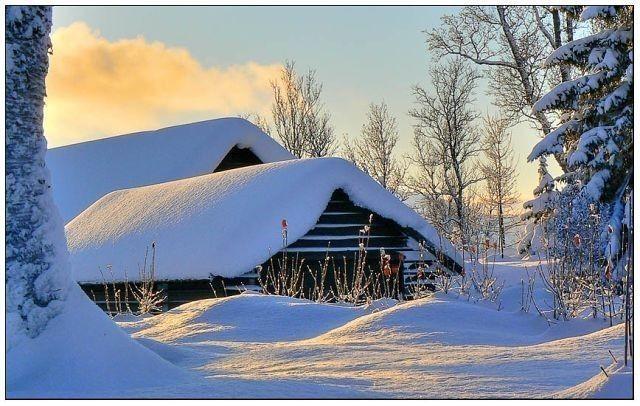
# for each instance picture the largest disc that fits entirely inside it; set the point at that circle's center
(402, 352)
(617, 384)
(82, 173)
(268, 346)
(83, 353)
(272, 318)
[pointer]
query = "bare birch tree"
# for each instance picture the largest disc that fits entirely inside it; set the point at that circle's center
(509, 41)
(503, 38)
(446, 143)
(299, 117)
(512, 43)
(553, 31)
(373, 152)
(499, 171)
(258, 120)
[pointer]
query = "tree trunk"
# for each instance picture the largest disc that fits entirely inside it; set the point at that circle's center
(37, 277)
(525, 80)
(501, 231)
(565, 71)
(569, 28)
(460, 212)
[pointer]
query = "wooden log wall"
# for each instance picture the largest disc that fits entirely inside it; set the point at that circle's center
(338, 233)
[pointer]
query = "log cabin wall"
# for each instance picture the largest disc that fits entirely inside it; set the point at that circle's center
(337, 233)
(177, 292)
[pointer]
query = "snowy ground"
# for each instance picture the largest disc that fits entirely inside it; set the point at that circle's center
(439, 347)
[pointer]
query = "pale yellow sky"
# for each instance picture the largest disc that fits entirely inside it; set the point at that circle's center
(117, 70)
(97, 88)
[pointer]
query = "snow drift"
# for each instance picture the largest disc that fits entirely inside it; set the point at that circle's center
(224, 223)
(439, 347)
(83, 353)
(617, 385)
(84, 172)
(262, 346)
(249, 317)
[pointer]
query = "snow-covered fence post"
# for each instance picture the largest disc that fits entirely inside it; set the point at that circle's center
(37, 270)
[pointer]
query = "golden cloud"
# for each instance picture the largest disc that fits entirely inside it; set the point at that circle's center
(98, 88)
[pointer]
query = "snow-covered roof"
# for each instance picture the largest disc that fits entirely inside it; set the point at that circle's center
(83, 173)
(224, 223)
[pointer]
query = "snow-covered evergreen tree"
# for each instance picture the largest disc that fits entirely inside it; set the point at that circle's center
(596, 133)
(539, 212)
(37, 276)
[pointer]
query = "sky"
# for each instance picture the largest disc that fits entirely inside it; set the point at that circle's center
(116, 70)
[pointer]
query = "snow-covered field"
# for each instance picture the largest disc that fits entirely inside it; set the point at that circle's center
(253, 345)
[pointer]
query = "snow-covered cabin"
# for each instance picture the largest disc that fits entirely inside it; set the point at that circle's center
(82, 173)
(223, 225)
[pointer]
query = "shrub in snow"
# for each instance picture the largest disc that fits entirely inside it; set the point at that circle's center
(579, 225)
(578, 273)
(149, 299)
(287, 278)
(139, 297)
(37, 271)
(483, 279)
(357, 282)
(421, 286)
(284, 276)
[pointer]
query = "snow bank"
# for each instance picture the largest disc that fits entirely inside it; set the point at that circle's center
(268, 346)
(451, 320)
(618, 385)
(443, 319)
(435, 348)
(224, 223)
(82, 353)
(246, 318)
(82, 173)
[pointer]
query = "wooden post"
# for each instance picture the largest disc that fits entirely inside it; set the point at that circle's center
(627, 305)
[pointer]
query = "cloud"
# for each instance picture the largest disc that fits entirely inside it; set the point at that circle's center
(97, 88)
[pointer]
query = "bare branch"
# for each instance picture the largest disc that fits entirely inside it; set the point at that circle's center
(446, 143)
(299, 118)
